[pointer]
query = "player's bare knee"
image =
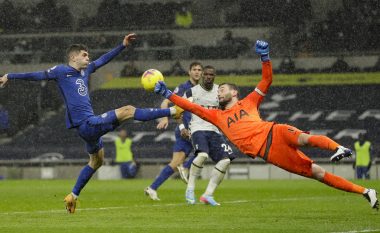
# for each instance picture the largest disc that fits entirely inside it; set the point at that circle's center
(178, 159)
(175, 163)
(318, 172)
(96, 161)
(125, 112)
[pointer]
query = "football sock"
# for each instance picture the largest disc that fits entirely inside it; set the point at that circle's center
(164, 175)
(195, 169)
(341, 183)
(173, 110)
(84, 176)
(217, 176)
(147, 114)
(322, 142)
(187, 164)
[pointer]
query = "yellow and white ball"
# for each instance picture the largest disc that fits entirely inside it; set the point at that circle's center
(149, 79)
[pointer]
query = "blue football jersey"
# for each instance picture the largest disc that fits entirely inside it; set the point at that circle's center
(181, 90)
(73, 85)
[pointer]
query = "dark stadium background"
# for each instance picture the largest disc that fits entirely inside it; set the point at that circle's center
(321, 37)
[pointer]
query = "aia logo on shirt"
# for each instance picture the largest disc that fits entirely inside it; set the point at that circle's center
(236, 117)
(82, 89)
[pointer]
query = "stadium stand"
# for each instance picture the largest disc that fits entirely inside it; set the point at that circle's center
(37, 34)
(329, 113)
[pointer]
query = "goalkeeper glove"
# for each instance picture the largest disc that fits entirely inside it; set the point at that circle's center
(161, 89)
(262, 48)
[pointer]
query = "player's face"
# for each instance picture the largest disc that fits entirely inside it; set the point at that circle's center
(81, 59)
(195, 73)
(224, 95)
(208, 77)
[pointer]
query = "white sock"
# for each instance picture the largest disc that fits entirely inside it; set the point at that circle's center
(74, 195)
(195, 169)
(217, 176)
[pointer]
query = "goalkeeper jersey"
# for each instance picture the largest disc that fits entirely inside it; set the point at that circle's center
(241, 123)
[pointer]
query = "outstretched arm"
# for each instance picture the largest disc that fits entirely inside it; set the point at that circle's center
(266, 80)
(204, 113)
(104, 59)
(32, 76)
(262, 48)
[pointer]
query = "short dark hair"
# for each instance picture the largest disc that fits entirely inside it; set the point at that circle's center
(196, 63)
(75, 48)
(233, 87)
(208, 67)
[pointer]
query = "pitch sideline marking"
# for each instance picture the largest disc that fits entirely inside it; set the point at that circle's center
(154, 205)
(367, 230)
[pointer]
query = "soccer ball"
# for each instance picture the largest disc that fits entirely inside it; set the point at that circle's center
(149, 79)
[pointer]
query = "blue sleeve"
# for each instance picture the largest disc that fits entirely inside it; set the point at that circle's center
(180, 91)
(189, 93)
(35, 76)
(186, 118)
(105, 58)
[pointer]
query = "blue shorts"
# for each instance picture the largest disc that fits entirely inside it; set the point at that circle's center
(181, 144)
(93, 128)
(212, 143)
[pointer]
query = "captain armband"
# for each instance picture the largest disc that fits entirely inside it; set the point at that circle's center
(260, 92)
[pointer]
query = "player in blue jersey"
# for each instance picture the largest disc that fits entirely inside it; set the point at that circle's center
(183, 146)
(72, 80)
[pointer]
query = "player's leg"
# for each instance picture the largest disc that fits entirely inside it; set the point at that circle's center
(325, 143)
(189, 161)
(124, 170)
(217, 176)
(132, 169)
(283, 154)
(91, 131)
(96, 161)
(359, 172)
(184, 169)
(367, 175)
(340, 183)
(221, 153)
(146, 114)
(194, 173)
(166, 172)
(181, 148)
(200, 143)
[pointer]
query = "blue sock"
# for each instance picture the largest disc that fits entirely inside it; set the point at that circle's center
(187, 164)
(84, 176)
(147, 114)
(164, 175)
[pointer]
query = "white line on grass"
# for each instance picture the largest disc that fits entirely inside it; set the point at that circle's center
(375, 230)
(154, 205)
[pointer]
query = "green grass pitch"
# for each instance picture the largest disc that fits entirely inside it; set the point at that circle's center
(247, 206)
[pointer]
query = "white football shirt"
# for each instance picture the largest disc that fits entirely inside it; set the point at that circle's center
(207, 99)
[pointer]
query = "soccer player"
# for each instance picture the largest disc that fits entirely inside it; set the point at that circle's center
(182, 146)
(72, 80)
(207, 139)
(275, 143)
